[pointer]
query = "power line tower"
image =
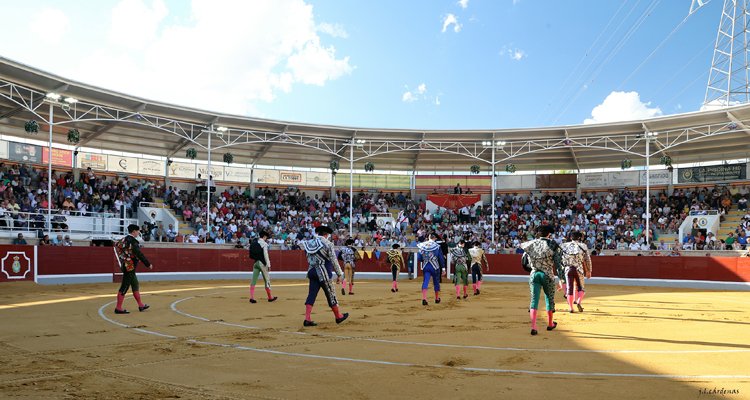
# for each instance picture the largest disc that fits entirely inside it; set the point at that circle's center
(729, 76)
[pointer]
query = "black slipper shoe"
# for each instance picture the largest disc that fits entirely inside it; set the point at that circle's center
(309, 323)
(343, 318)
(123, 311)
(580, 309)
(554, 325)
(534, 332)
(424, 302)
(144, 308)
(274, 298)
(253, 301)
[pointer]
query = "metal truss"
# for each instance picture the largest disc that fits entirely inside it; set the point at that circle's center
(235, 137)
(80, 111)
(513, 150)
(31, 100)
(728, 80)
(473, 150)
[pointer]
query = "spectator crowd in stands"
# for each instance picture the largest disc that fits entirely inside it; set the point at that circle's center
(611, 220)
(23, 196)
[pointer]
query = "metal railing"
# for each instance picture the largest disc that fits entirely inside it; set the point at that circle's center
(152, 205)
(89, 223)
(703, 212)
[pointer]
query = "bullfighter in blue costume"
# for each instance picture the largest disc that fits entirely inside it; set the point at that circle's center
(433, 261)
(322, 263)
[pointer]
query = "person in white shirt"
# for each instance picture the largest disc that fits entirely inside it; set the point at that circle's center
(171, 233)
(634, 246)
(192, 238)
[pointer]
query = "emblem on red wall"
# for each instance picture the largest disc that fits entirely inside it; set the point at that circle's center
(15, 265)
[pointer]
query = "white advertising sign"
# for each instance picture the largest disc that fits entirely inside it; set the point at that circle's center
(319, 179)
(235, 174)
(97, 162)
(151, 167)
(217, 171)
(270, 176)
(510, 182)
(623, 179)
(182, 170)
(594, 180)
(122, 164)
(656, 177)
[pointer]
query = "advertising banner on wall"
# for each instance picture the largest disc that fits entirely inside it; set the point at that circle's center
(59, 157)
(122, 164)
(235, 174)
(268, 176)
(217, 171)
(657, 177)
(511, 182)
(594, 180)
(292, 178)
(319, 179)
(624, 179)
(714, 173)
(25, 152)
(97, 162)
(3, 149)
(182, 170)
(151, 167)
(366, 181)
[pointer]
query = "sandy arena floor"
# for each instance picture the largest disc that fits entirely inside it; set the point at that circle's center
(203, 340)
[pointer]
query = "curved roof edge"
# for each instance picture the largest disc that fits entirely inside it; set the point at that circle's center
(46, 81)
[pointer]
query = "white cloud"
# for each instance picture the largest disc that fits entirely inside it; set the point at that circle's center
(225, 57)
(419, 94)
(718, 104)
(622, 106)
(335, 30)
(517, 54)
(449, 20)
(513, 53)
(463, 3)
(49, 26)
(134, 23)
(314, 65)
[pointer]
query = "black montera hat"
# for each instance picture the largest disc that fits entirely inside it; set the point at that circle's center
(322, 230)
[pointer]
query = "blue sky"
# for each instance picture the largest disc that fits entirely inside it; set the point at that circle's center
(421, 64)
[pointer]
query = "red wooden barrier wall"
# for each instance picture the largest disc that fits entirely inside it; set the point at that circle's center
(97, 260)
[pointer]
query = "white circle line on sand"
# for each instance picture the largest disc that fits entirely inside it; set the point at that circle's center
(174, 308)
(101, 314)
(404, 364)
